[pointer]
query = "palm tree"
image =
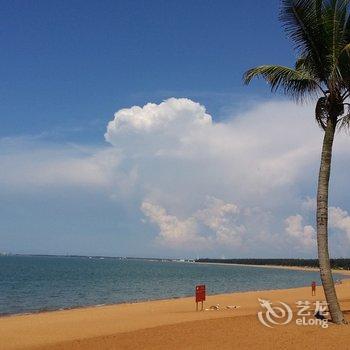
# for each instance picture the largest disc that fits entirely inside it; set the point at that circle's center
(320, 32)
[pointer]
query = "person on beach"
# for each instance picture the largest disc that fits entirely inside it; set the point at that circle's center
(313, 288)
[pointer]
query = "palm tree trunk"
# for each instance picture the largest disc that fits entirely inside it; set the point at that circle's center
(322, 225)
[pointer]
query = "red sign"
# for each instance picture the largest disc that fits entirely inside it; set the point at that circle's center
(200, 293)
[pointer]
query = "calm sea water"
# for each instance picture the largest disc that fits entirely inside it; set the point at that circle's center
(29, 284)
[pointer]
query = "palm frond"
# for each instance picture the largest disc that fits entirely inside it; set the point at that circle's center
(302, 21)
(320, 31)
(293, 82)
(347, 28)
(334, 24)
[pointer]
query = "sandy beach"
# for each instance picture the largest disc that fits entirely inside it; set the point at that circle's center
(175, 324)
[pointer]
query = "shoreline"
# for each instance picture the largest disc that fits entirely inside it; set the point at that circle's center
(296, 268)
(153, 324)
(345, 273)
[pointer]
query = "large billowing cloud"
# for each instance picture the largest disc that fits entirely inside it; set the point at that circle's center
(241, 187)
(250, 155)
(166, 118)
(156, 129)
(256, 161)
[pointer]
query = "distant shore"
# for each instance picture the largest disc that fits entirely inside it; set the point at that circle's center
(297, 268)
(174, 324)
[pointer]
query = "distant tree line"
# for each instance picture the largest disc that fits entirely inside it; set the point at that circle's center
(343, 264)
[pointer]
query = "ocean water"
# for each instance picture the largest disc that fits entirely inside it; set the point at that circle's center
(30, 284)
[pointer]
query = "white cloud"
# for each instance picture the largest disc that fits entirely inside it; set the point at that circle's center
(214, 224)
(309, 204)
(339, 219)
(156, 129)
(221, 218)
(173, 231)
(178, 150)
(164, 117)
(303, 236)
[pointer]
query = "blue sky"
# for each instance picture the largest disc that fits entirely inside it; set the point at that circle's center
(70, 61)
(211, 171)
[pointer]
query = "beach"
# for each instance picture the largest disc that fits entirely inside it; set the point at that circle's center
(175, 324)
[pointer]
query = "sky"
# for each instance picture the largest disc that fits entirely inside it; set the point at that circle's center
(126, 130)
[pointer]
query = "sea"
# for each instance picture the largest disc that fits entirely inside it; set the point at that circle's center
(36, 283)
